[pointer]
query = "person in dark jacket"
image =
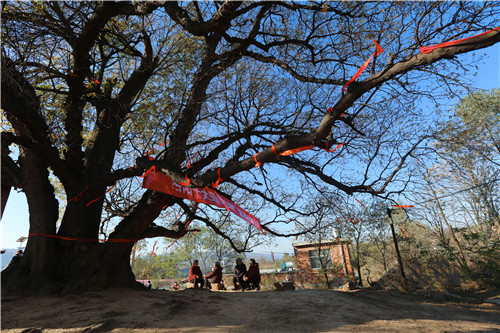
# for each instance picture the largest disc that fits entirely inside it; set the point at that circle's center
(15, 259)
(215, 276)
(239, 270)
(252, 277)
(195, 275)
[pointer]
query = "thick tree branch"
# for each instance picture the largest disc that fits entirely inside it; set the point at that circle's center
(286, 67)
(218, 22)
(263, 196)
(357, 89)
(22, 106)
(159, 231)
(105, 137)
(74, 102)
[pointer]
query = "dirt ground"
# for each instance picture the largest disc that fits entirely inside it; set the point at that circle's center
(123, 310)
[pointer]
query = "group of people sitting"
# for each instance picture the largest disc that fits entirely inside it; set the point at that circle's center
(196, 276)
(242, 278)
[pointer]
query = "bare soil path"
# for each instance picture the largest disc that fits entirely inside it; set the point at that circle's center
(123, 310)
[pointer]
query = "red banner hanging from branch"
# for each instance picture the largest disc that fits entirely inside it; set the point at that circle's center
(158, 181)
(429, 49)
(377, 52)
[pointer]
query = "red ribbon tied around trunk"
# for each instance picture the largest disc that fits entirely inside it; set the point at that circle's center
(152, 169)
(78, 196)
(219, 179)
(82, 239)
(274, 152)
(149, 153)
(92, 201)
(377, 52)
(257, 163)
(188, 181)
(429, 49)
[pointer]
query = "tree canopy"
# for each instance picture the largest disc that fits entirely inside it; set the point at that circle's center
(94, 94)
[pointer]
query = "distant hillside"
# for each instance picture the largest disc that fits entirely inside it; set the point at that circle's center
(258, 256)
(266, 256)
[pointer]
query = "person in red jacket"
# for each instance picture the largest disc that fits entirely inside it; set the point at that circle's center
(252, 277)
(215, 276)
(195, 275)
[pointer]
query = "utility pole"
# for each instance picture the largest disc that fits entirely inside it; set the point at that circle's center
(406, 286)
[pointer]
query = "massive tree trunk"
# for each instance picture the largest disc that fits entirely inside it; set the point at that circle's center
(65, 263)
(68, 267)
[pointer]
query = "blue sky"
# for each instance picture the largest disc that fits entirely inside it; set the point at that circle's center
(15, 219)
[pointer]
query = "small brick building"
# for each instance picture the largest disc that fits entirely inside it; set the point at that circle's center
(310, 257)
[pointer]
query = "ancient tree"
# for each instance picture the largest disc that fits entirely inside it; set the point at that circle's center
(90, 90)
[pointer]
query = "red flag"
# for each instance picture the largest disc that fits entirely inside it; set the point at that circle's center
(295, 150)
(403, 230)
(359, 202)
(334, 149)
(154, 245)
(149, 153)
(158, 181)
(429, 49)
(219, 179)
(377, 52)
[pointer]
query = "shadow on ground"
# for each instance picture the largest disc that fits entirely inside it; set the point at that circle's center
(263, 311)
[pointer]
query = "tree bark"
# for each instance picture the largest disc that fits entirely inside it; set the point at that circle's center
(35, 271)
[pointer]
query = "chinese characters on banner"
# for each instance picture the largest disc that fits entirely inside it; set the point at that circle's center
(158, 181)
